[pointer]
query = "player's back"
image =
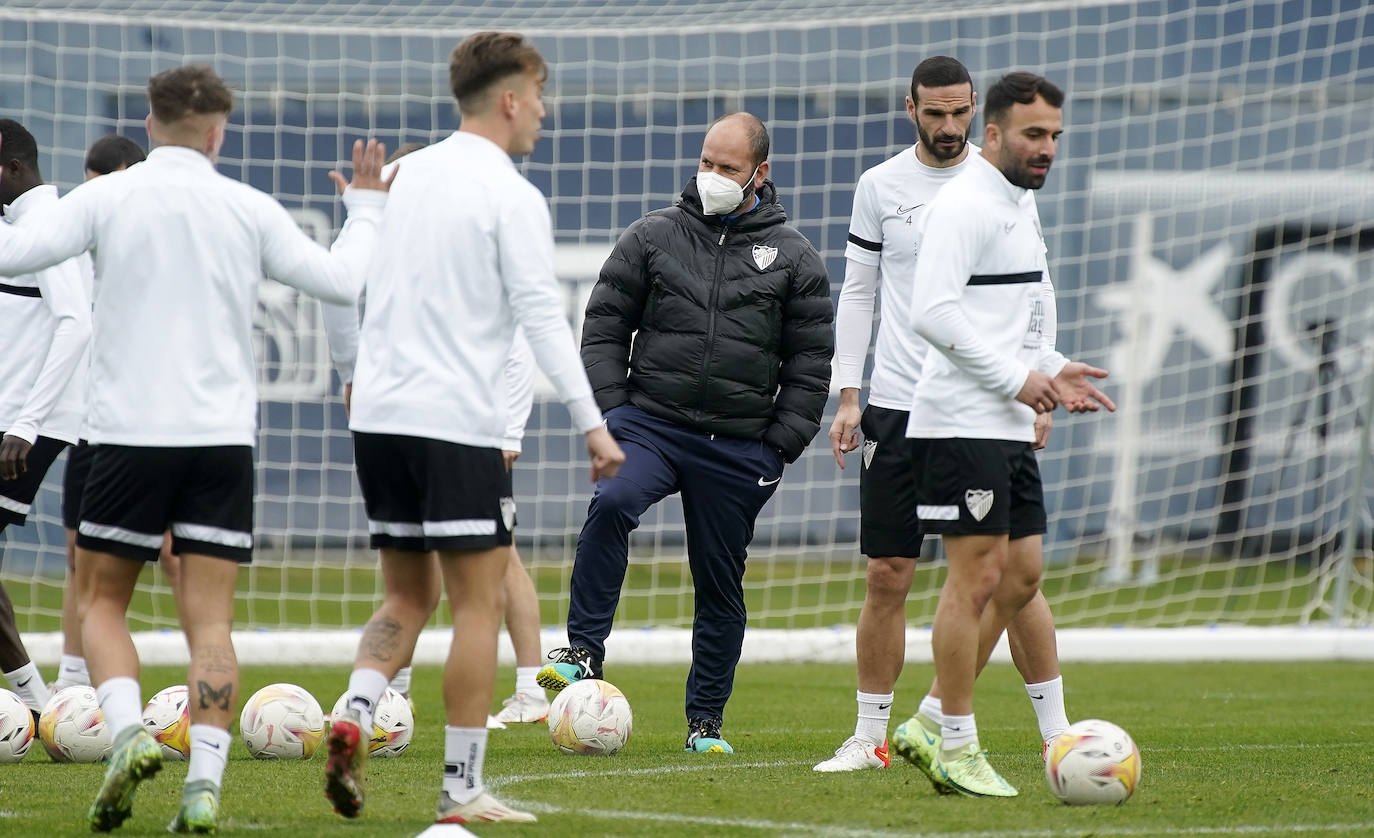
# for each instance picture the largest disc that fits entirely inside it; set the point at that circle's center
(178, 259)
(438, 324)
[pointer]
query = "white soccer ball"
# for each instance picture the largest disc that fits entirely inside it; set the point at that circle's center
(73, 728)
(281, 721)
(167, 718)
(1093, 762)
(393, 723)
(16, 727)
(590, 717)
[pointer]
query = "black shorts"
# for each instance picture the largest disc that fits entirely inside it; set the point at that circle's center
(888, 524)
(16, 496)
(426, 494)
(74, 483)
(135, 493)
(978, 487)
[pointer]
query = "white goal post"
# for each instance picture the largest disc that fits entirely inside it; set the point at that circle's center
(1210, 236)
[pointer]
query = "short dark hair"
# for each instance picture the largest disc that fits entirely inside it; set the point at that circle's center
(16, 143)
(939, 71)
(1019, 88)
(407, 148)
(189, 89)
(483, 59)
(112, 153)
(759, 143)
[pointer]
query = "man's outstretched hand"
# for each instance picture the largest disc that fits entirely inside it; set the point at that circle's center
(1076, 390)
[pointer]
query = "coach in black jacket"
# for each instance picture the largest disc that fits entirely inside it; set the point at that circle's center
(729, 313)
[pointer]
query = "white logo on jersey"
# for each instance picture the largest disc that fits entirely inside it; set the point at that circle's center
(979, 502)
(870, 448)
(764, 256)
(508, 512)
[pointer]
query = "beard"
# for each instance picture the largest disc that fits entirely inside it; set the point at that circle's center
(942, 152)
(1018, 172)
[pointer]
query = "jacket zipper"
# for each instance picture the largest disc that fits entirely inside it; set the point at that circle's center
(711, 323)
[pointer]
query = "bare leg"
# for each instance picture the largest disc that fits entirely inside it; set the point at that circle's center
(171, 564)
(474, 582)
(105, 584)
(412, 591)
(1031, 637)
(71, 621)
(976, 563)
(881, 636)
(522, 612)
(206, 605)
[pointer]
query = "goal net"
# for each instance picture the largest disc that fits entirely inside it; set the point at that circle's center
(1210, 221)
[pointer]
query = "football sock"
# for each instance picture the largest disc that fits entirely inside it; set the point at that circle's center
(524, 680)
(958, 731)
(401, 683)
(874, 711)
(465, 748)
(365, 689)
(27, 683)
(931, 707)
(72, 672)
(209, 751)
(1047, 698)
(120, 704)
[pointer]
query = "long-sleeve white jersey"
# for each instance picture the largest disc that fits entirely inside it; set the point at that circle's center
(180, 250)
(466, 254)
(44, 340)
(884, 239)
(981, 298)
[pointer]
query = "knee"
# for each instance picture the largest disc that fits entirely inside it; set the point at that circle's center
(413, 605)
(618, 498)
(889, 580)
(1017, 587)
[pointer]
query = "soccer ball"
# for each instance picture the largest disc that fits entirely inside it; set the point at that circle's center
(1093, 762)
(590, 717)
(73, 728)
(16, 727)
(281, 721)
(392, 723)
(167, 717)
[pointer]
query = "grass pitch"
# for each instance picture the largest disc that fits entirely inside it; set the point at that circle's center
(1227, 749)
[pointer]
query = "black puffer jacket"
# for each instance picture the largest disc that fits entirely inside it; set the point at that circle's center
(734, 323)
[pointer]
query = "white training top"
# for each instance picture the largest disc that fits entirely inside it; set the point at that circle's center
(466, 255)
(44, 340)
(180, 250)
(982, 304)
(885, 232)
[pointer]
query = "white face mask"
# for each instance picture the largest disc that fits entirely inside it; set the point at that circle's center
(719, 194)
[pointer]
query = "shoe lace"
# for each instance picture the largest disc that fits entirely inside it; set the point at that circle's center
(702, 729)
(567, 654)
(853, 743)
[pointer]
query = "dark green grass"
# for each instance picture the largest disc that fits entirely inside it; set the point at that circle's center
(781, 593)
(1246, 749)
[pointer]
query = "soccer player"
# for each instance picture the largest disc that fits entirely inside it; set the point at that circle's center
(467, 256)
(111, 153)
(978, 300)
(528, 704)
(884, 239)
(723, 382)
(172, 403)
(42, 379)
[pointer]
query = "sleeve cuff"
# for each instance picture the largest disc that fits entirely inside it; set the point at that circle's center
(26, 432)
(1016, 380)
(1053, 364)
(511, 444)
(355, 199)
(585, 414)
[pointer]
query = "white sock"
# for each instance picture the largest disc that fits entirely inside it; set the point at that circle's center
(958, 731)
(209, 752)
(27, 683)
(465, 748)
(874, 711)
(72, 672)
(525, 683)
(120, 704)
(401, 683)
(1047, 698)
(933, 709)
(365, 689)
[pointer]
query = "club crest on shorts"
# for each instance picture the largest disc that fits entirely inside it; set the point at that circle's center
(979, 502)
(508, 512)
(764, 256)
(870, 448)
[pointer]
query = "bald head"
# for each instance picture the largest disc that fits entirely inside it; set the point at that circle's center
(743, 127)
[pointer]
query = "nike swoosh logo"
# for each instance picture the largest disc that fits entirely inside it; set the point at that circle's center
(24, 683)
(214, 745)
(1038, 697)
(901, 210)
(930, 740)
(884, 706)
(763, 482)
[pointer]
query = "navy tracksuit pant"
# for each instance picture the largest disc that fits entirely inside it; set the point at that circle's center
(724, 483)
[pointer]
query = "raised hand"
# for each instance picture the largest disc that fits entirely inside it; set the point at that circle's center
(368, 161)
(1077, 392)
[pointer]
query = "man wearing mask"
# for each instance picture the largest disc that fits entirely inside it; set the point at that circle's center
(707, 340)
